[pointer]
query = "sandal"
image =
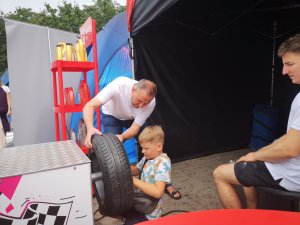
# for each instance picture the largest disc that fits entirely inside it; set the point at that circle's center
(174, 194)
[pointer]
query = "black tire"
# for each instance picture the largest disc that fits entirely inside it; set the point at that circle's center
(114, 188)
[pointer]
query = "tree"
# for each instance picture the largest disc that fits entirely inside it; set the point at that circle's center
(3, 57)
(68, 17)
(103, 11)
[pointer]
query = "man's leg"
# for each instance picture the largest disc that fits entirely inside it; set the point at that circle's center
(111, 124)
(251, 197)
(127, 124)
(225, 179)
(138, 147)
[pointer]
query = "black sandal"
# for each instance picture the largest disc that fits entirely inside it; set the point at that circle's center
(173, 194)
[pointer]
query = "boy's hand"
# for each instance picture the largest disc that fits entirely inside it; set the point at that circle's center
(135, 180)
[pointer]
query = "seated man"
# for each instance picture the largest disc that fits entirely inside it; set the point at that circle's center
(276, 165)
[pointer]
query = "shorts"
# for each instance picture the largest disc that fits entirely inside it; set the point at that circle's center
(132, 217)
(256, 173)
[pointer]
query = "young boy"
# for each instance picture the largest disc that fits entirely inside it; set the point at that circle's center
(155, 173)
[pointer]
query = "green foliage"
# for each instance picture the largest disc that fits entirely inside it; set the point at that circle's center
(102, 11)
(67, 16)
(3, 58)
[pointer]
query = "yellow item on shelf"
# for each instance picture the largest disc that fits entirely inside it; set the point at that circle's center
(80, 51)
(78, 54)
(63, 50)
(58, 52)
(70, 51)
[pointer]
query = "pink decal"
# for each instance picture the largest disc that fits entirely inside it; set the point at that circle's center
(9, 208)
(9, 185)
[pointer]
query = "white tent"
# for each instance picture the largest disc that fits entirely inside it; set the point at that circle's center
(30, 51)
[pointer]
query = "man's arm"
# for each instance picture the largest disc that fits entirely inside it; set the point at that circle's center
(155, 190)
(129, 133)
(88, 117)
(284, 148)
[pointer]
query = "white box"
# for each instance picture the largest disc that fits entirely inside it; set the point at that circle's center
(47, 183)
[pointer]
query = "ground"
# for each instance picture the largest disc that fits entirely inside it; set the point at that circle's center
(194, 179)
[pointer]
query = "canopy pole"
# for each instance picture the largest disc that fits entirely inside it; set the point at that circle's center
(130, 41)
(273, 63)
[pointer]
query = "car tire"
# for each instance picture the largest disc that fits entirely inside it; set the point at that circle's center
(114, 186)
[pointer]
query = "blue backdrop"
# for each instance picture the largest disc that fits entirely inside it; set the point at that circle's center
(113, 61)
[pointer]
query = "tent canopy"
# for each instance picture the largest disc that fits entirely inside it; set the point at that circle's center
(213, 62)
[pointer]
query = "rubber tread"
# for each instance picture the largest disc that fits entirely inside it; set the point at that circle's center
(115, 193)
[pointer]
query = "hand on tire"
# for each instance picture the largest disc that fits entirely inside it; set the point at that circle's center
(120, 137)
(89, 134)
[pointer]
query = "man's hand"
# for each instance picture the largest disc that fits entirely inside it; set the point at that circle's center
(250, 157)
(89, 134)
(120, 137)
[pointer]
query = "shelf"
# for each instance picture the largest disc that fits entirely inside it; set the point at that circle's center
(63, 100)
(68, 109)
(72, 66)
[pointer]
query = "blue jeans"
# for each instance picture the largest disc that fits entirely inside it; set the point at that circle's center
(111, 124)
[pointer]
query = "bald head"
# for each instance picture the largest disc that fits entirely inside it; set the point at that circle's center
(148, 86)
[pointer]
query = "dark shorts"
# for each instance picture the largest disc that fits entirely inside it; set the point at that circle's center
(132, 217)
(256, 173)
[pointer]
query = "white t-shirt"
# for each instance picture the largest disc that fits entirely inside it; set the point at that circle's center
(158, 169)
(289, 170)
(6, 89)
(116, 100)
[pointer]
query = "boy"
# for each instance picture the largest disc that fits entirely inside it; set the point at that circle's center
(155, 173)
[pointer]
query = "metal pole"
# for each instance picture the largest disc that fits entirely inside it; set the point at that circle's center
(273, 64)
(131, 49)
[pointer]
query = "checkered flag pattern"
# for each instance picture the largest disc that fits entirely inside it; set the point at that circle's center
(5, 204)
(42, 214)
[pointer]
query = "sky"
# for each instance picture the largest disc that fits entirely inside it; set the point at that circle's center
(38, 5)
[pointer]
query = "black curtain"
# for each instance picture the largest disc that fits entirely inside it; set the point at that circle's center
(212, 66)
(146, 11)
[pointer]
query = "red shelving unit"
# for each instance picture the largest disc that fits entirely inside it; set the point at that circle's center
(59, 68)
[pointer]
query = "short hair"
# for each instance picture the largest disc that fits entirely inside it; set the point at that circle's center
(292, 44)
(153, 133)
(148, 86)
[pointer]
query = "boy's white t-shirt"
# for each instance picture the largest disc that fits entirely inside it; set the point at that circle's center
(289, 170)
(116, 100)
(158, 169)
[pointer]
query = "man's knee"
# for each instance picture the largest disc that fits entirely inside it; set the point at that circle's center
(224, 173)
(218, 173)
